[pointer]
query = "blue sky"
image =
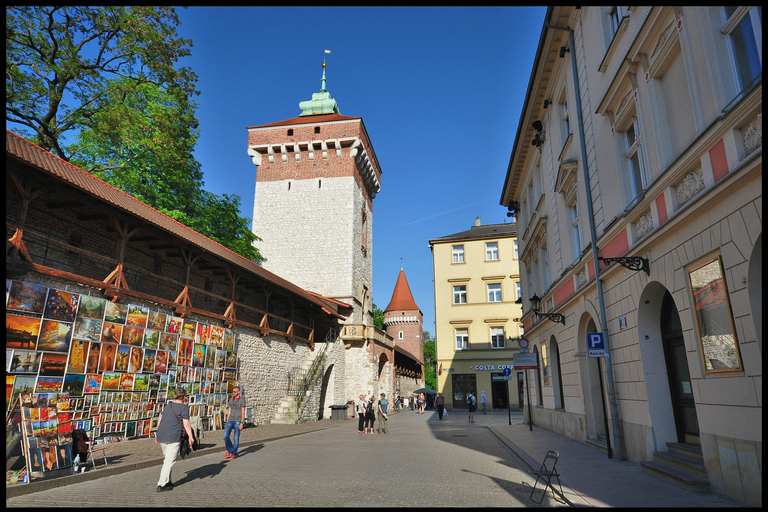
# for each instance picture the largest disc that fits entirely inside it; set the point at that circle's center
(439, 89)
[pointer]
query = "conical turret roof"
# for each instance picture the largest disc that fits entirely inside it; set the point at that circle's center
(402, 299)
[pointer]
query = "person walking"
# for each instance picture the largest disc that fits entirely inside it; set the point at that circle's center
(361, 414)
(382, 410)
(422, 399)
(235, 418)
(440, 404)
(173, 419)
(370, 415)
(483, 400)
(472, 406)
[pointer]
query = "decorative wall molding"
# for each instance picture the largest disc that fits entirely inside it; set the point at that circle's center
(689, 187)
(644, 225)
(753, 136)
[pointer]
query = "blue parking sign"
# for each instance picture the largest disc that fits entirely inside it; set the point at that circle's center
(596, 344)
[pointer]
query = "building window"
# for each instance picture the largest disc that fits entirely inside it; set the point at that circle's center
(565, 118)
(743, 28)
(573, 231)
(317, 129)
(497, 337)
(614, 15)
(290, 132)
(518, 291)
(460, 294)
(544, 259)
(515, 255)
(400, 335)
(494, 292)
(492, 251)
(634, 177)
(462, 339)
(544, 365)
(364, 232)
(458, 254)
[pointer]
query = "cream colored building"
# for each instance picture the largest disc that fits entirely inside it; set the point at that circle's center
(641, 139)
(476, 318)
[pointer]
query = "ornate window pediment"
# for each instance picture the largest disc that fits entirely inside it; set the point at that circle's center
(566, 180)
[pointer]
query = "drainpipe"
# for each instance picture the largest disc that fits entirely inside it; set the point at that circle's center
(593, 235)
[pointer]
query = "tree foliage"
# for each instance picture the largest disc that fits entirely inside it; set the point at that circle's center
(107, 76)
(378, 317)
(430, 351)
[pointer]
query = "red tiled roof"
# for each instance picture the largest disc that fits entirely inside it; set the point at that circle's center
(402, 298)
(321, 118)
(28, 153)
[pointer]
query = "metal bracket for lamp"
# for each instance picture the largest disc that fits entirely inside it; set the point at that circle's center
(634, 263)
(555, 317)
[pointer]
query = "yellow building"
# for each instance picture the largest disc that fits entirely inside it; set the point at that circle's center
(477, 326)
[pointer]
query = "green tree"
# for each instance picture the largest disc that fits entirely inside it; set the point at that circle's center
(378, 317)
(106, 76)
(430, 375)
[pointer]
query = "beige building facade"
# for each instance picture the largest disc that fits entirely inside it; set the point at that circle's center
(636, 178)
(477, 326)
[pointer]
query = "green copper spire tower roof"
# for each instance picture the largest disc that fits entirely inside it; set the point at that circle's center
(321, 102)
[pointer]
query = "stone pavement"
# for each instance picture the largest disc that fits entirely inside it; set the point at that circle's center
(422, 462)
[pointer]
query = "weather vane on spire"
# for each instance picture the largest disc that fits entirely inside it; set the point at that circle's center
(326, 51)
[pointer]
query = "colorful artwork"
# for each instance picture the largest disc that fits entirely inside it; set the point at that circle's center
(198, 355)
(53, 364)
(48, 384)
(161, 362)
(92, 366)
(133, 336)
(174, 325)
(136, 360)
(137, 315)
(188, 329)
(27, 297)
(168, 341)
(87, 329)
(91, 307)
(61, 305)
(73, 384)
(123, 357)
(25, 361)
(110, 381)
(149, 360)
(92, 384)
(229, 339)
(116, 313)
(78, 353)
(54, 336)
(111, 332)
(141, 382)
(157, 321)
(21, 331)
(126, 381)
(184, 357)
(107, 361)
(216, 336)
(210, 357)
(151, 338)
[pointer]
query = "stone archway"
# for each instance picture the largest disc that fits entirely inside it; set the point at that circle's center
(557, 375)
(384, 377)
(327, 392)
(755, 289)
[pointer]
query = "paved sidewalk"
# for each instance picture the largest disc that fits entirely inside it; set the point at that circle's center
(136, 454)
(589, 477)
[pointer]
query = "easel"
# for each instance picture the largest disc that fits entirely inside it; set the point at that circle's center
(22, 430)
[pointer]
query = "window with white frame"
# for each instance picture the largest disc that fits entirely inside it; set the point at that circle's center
(633, 180)
(515, 254)
(614, 16)
(743, 27)
(497, 337)
(565, 118)
(462, 339)
(574, 237)
(494, 292)
(458, 253)
(518, 291)
(491, 251)
(460, 294)
(400, 335)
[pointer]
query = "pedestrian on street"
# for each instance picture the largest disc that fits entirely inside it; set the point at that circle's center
(472, 406)
(440, 403)
(483, 400)
(235, 418)
(382, 408)
(412, 402)
(422, 399)
(173, 419)
(361, 414)
(370, 415)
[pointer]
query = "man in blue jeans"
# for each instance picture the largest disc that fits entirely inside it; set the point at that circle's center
(235, 418)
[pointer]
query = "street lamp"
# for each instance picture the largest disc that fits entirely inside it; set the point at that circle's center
(555, 317)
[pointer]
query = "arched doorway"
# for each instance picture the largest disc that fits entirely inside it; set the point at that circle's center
(557, 376)
(591, 382)
(755, 289)
(326, 390)
(680, 386)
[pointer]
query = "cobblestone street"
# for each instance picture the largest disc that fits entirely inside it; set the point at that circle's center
(421, 462)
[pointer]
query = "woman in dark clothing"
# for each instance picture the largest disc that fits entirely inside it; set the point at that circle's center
(370, 415)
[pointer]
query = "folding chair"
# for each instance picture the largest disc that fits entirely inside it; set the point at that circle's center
(546, 475)
(93, 447)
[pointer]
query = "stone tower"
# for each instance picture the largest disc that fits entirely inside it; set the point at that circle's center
(404, 321)
(316, 180)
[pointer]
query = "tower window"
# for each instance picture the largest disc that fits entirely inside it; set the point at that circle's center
(400, 335)
(289, 185)
(317, 129)
(290, 132)
(319, 183)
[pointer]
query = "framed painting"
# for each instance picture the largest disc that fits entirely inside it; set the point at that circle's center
(168, 341)
(133, 336)
(55, 336)
(714, 321)
(188, 329)
(87, 329)
(149, 360)
(151, 338)
(115, 313)
(92, 383)
(92, 307)
(21, 331)
(156, 321)
(94, 353)
(136, 360)
(53, 364)
(107, 360)
(25, 361)
(61, 305)
(137, 315)
(48, 384)
(111, 332)
(74, 384)
(110, 381)
(122, 358)
(27, 297)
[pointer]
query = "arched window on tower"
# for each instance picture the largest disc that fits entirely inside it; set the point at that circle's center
(364, 233)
